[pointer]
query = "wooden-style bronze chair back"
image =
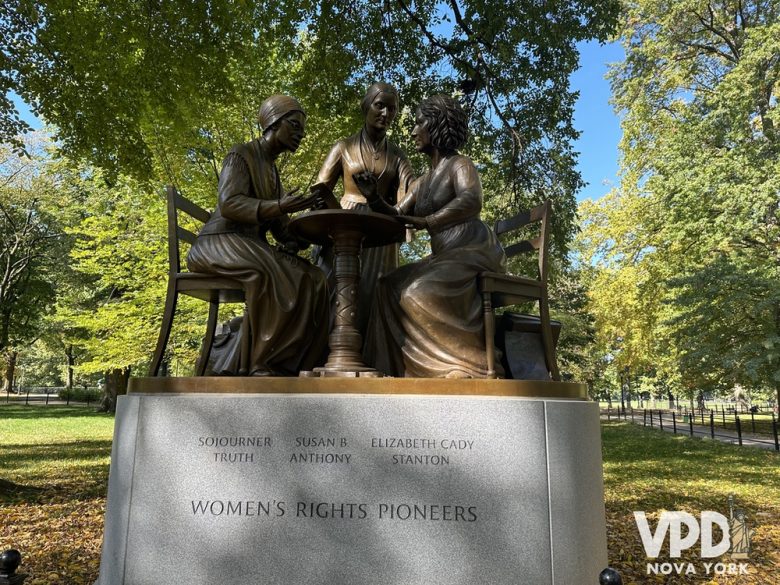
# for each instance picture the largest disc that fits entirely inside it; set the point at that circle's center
(176, 233)
(208, 287)
(541, 214)
(501, 290)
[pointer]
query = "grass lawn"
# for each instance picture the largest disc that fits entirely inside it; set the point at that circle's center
(649, 470)
(54, 471)
(57, 460)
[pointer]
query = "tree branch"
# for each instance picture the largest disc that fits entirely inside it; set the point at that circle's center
(710, 26)
(466, 28)
(447, 48)
(707, 49)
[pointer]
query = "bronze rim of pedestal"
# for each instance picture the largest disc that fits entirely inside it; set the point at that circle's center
(361, 385)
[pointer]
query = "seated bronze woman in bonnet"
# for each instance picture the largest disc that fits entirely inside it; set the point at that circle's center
(286, 297)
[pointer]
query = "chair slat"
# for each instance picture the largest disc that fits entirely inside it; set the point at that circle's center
(521, 219)
(186, 235)
(507, 225)
(191, 209)
(523, 247)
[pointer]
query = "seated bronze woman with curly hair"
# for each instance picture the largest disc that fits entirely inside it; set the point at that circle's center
(426, 320)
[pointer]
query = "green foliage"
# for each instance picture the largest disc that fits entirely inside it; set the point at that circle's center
(82, 394)
(31, 247)
(578, 357)
(40, 364)
(161, 91)
(686, 287)
(120, 252)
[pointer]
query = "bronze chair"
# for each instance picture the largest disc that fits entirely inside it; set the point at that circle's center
(208, 287)
(501, 290)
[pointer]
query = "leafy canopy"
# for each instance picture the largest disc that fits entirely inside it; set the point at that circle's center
(126, 82)
(691, 238)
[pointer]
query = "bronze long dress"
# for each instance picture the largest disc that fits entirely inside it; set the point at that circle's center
(394, 173)
(426, 320)
(286, 297)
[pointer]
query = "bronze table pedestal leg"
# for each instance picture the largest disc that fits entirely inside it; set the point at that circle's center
(345, 341)
(350, 231)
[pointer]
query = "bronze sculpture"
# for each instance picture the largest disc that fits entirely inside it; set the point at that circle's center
(426, 319)
(368, 151)
(286, 297)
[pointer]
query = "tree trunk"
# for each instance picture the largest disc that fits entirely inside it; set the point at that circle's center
(777, 403)
(628, 385)
(10, 370)
(115, 386)
(71, 362)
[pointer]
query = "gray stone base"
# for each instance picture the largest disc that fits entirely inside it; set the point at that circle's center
(354, 490)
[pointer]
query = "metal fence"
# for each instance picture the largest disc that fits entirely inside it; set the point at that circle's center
(54, 395)
(763, 430)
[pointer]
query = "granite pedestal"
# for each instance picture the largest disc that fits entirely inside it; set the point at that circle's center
(265, 487)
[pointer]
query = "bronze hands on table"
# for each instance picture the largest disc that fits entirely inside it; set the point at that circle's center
(292, 203)
(366, 182)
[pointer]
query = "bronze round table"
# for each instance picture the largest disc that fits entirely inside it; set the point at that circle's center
(350, 231)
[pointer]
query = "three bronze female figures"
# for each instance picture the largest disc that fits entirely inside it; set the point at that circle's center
(422, 319)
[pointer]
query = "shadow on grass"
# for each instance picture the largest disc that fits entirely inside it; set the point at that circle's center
(78, 469)
(31, 455)
(37, 411)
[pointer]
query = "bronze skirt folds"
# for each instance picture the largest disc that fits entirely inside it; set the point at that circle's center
(426, 320)
(286, 298)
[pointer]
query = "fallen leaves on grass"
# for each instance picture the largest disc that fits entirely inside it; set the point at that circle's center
(648, 470)
(60, 542)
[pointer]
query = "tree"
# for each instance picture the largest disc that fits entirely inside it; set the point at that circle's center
(30, 246)
(580, 358)
(625, 287)
(111, 310)
(130, 82)
(699, 198)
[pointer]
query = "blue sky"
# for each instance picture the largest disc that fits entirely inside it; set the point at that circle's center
(593, 116)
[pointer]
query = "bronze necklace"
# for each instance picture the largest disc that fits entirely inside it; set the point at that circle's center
(375, 153)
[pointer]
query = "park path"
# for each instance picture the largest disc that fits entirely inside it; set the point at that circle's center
(684, 428)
